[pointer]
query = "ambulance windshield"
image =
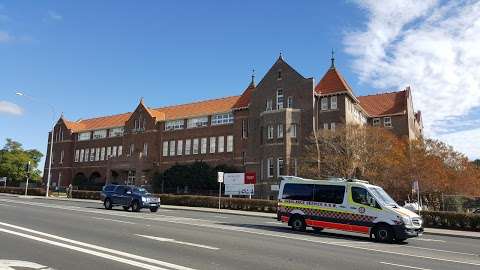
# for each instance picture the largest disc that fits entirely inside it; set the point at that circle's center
(382, 196)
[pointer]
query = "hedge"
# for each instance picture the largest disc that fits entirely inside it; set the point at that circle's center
(451, 220)
(21, 191)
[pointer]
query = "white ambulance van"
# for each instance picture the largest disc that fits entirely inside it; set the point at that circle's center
(345, 205)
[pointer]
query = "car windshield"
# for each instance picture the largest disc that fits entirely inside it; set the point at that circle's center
(141, 191)
(382, 196)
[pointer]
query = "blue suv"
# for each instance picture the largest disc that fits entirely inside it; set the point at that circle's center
(129, 196)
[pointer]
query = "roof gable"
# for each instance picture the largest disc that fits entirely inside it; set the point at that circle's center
(332, 82)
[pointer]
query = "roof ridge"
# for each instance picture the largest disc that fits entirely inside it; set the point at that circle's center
(98, 117)
(384, 93)
(195, 102)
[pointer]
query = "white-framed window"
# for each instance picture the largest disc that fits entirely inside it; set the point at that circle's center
(82, 153)
(280, 167)
(280, 131)
(230, 143)
(172, 148)
(100, 134)
(290, 102)
(116, 132)
(97, 154)
(174, 124)
(120, 150)
(222, 118)
(324, 104)
(197, 122)
(269, 104)
(114, 151)
(333, 102)
(213, 144)
(188, 146)
(92, 154)
(269, 132)
(77, 155)
(332, 126)
(325, 125)
(179, 147)
(102, 153)
(145, 150)
(195, 146)
(87, 154)
(84, 136)
(279, 98)
(387, 121)
(221, 144)
(293, 131)
(61, 156)
(270, 167)
(203, 146)
(376, 122)
(165, 148)
(109, 152)
(244, 128)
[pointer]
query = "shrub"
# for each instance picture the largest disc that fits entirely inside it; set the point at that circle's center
(451, 220)
(86, 194)
(21, 191)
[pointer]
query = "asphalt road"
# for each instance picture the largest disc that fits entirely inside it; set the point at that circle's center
(82, 235)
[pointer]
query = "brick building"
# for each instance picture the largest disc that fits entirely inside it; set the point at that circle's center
(263, 130)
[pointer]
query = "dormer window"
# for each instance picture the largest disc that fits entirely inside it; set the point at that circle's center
(387, 121)
(376, 122)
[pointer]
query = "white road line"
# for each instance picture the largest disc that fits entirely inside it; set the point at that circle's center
(192, 222)
(177, 242)
(447, 251)
(8, 264)
(114, 220)
(405, 266)
(104, 249)
(84, 250)
(429, 240)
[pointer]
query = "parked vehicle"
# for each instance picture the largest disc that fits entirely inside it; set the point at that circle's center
(346, 205)
(128, 197)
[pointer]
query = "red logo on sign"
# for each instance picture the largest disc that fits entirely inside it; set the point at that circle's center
(250, 178)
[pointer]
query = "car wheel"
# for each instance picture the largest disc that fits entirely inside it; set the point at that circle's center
(135, 206)
(126, 208)
(384, 234)
(298, 224)
(107, 203)
(153, 209)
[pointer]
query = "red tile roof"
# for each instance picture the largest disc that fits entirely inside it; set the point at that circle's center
(385, 103)
(332, 82)
(200, 108)
(244, 99)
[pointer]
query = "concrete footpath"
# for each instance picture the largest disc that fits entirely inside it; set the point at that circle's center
(433, 231)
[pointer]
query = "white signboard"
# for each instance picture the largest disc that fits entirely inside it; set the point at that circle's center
(239, 189)
(275, 187)
(234, 178)
(220, 177)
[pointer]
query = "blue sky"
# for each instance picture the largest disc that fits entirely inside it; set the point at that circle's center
(93, 58)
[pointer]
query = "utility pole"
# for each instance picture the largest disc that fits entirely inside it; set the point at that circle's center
(27, 167)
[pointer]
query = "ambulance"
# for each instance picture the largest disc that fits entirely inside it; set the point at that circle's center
(346, 205)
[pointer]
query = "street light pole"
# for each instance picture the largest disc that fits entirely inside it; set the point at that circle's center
(49, 175)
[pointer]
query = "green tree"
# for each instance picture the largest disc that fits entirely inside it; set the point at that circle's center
(13, 160)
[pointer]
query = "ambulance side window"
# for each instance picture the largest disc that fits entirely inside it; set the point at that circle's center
(329, 194)
(361, 196)
(301, 192)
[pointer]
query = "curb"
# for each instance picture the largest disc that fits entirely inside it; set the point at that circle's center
(451, 234)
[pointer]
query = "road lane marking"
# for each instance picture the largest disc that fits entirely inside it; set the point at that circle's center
(405, 266)
(114, 220)
(209, 224)
(8, 264)
(448, 251)
(429, 240)
(161, 239)
(84, 250)
(104, 249)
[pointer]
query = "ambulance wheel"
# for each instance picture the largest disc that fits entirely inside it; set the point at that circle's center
(317, 229)
(384, 234)
(298, 223)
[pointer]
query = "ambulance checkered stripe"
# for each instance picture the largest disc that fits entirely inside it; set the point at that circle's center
(328, 214)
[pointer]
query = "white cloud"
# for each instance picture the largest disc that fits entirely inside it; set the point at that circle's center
(429, 45)
(5, 37)
(10, 108)
(54, 16)
(467, 142)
